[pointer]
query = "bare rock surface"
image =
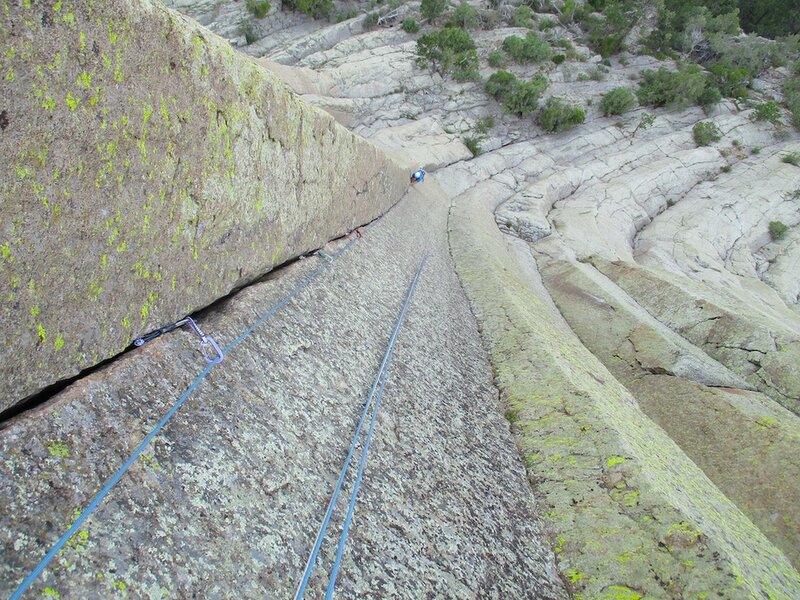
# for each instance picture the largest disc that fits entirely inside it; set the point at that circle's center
(231, 494)
(686, 393)
(629, 298)
(146, 175)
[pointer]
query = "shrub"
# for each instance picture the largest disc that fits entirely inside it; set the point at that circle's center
(791, 95)
(500, 84)
(777, 230)
(484, 124)
(490, 19)
(410, 25)
(346, 15)
(768, 111)
(732, 81)
(596, 73)
(258, 8)
(559, 58)
(464, 16)
(370, 21)
(605, 34)
(566, 44)
(618, 101)
(770, 18)
(546, 24)
(318, 9)
(755, 150)
(495, 59)
(709, 98)
(679, 88)
(466, 66)
(432, 9)
(567, 12)
(449, 50)
(793, 158)
(473, 143)
(557, 115)
(705, 133)
(530, 49)
(249, 30)
(522, 16)
(523, 98)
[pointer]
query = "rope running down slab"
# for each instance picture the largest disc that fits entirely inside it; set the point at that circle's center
(26, 583)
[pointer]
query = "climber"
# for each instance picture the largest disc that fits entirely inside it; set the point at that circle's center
(418, 176)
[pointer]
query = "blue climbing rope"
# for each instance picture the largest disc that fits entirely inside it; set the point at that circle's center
(380, 379)
(121, 471)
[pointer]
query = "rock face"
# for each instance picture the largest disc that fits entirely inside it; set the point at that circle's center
(642, 331)
(630, 510)
(228, 498)
(147, 169)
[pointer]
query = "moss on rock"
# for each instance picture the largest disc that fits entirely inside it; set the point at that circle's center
(134, 134)
(616, 525)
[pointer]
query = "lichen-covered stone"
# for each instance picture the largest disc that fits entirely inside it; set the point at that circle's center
(227, 499)
(630, 511)
(743, 441)
(147, 169)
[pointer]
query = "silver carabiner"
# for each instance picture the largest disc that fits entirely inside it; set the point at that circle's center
(206, 341)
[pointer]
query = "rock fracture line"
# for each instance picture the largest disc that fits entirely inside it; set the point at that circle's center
(170, 413)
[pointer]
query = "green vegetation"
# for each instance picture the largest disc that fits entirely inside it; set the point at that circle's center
(791, 95)
(522, 16)
(523, 98)
(464, 16)
(777, 230)
(249, 30)
(432, 9)
(518, 97)
(687, 25)
(705, 133)
(768, 111)
(618, 101)
(319, 9)
(58, 449)
(370, 21)
(558, 116)
(500, 84)
(410, 25)
(496, 59)
(484, 124)
(346, 15)
(473, 143)
(605, 33)
(531, 49)
(792, 158)
(770, 18)
(449, 51)
(688, 85)
(258, 8)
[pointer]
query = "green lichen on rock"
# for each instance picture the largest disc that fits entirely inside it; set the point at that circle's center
(570, 406)
(721, 428)
(139, 136)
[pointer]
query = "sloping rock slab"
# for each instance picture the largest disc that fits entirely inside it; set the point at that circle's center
(226, 501)
(147, 169)
(633, 515)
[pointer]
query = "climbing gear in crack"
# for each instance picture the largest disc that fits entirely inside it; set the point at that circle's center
(206, 341)
(98, 498)
(376, 393)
